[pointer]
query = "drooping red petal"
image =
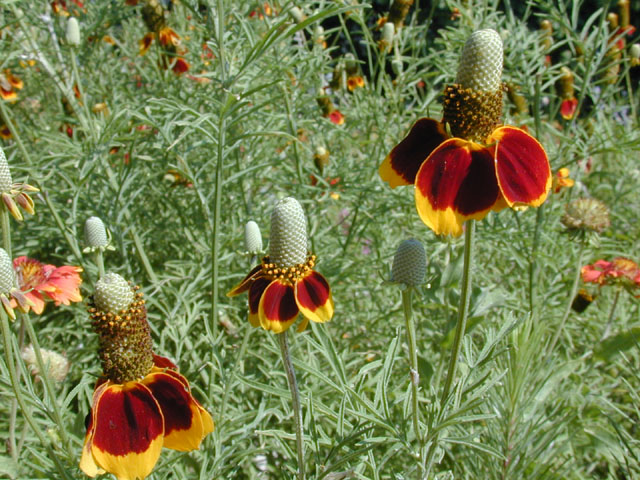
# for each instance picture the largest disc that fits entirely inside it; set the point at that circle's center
(403, 162)
(246, 282)
(87, 463)
(180, 66)
(163, 362)
(313, 296)
(278, 308)
(522, 167)
(183, 425)
(568, 108)
(128, 431)
(255, 294)
(456, 183)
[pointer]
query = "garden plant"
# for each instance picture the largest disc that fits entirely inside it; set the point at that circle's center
(327, 239)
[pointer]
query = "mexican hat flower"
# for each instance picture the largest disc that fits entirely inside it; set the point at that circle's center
(14, 194)
(10, 294)
(469, 164)
(285, 284)
(9, 83)
(40, 282)
(141, 403)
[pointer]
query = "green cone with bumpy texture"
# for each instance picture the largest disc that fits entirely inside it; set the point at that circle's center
(5, 175)
(7, 275)
(113, 293)
(95, 235)
(481, 62)
(288, 242)
(73, 32)
(119, 317)
(409, 263)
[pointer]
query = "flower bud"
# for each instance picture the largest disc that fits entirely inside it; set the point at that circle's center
(7, 274)
(546, 27)
(252, 238)
(386, 39)
(95, 234)
(409, 263)
(624, 13)
(634, 51)
(481, 62)
(57, 365)
(297, 15)
(288, 242)
(398, 12)
(113, 293)
(321, 158)
(73, 32)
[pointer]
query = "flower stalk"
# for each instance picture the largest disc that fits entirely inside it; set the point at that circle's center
(295, 400)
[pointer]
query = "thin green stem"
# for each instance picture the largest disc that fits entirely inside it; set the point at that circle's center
(6, 231)
(607, 328)
(463, 308)
(572, 294)
(98, 256)
(414, 375)
(461, 325)
(295, 400)
(15, 384)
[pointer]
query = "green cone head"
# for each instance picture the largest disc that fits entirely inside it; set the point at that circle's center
(409, 263)
(7, 274)
(113, 293)
(73, 32)
(481, 62)
(95, 235)
(5, 174)
(252, 238)
(288, 242)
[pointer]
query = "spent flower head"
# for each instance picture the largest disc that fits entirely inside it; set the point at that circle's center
(56, 364)
(10, 294)
(586, 214)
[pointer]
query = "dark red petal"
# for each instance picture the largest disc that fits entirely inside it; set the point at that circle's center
(278, 308)
(180, 66)
(128, 432)
(568, 108)
(244, 285)
(521, 166)
(313, 296)
(403, 162)
(255, 294)
(163, 362)
(183, 429)
(456, 183)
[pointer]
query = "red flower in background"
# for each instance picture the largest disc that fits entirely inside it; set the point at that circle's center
(41, 283)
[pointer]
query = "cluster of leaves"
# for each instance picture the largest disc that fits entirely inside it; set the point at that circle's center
(175, 165)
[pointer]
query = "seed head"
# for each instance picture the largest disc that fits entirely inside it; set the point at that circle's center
(586, 214)
(409, 263)
(481, 62)
(288, 242)
(5, 174)
(252, 238)
(113, 293)
(56, 364)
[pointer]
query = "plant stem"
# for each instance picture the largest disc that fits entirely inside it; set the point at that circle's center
(574, 290)
(607, 328)
(295, 400)
(461, 325)
(414, 375)
(463, 308)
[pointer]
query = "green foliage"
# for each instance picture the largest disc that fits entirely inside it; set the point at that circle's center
(175, 165)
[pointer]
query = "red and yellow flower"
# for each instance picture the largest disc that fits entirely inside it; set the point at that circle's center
(285, 284)
(40, 282)
(468, 164)
(142, 403)
(9, 84)
(562, 180)
(619, 270)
